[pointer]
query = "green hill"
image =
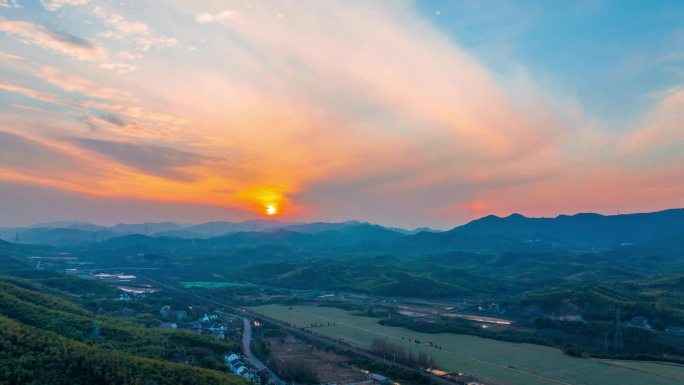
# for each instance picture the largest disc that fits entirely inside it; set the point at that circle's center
(49, 339)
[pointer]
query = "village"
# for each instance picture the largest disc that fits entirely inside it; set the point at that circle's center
(138, 295)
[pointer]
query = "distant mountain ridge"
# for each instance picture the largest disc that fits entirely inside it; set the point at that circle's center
(582, 228)
(490, 233)
(270, 232)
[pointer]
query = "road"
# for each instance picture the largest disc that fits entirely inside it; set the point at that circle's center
(249, 356)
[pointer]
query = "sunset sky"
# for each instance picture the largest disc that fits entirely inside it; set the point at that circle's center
(426, 113)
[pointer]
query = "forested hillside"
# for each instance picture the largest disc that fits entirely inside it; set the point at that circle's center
(48, 339)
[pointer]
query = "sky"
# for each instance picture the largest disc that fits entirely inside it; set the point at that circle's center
(402, 113)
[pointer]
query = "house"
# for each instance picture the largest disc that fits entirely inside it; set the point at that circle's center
(216, 330)
(208, 318)
(638, 322)
(250, 375)
(378, 378)
(241, 370)
(675, 330)
(168, 325)
(124, 297)
(495, 308)
(230, 358)
(181, 315)
(165, 311)
(233, 361)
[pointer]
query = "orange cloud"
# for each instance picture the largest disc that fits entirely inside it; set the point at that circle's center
(362, 109)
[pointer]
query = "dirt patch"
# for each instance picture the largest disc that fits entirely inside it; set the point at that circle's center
(330, 367)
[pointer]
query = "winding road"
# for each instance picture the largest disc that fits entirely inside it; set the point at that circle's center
(249, 356)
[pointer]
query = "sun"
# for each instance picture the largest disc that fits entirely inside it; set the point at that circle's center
(271, 210)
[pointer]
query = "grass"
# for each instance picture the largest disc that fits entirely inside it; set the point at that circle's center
(504, 362)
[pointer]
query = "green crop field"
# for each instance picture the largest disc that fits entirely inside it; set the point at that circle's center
(509, 363)
(211, 285)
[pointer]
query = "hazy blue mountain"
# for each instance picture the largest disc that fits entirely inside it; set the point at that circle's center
(215, 229)
(63, 236)
(68, 224)
(317, 227)
(580, 232)
(423, 230)
(488, 234)
(579, 229)
(145, 228)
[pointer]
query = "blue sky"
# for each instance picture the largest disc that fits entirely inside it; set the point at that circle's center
(611, 55)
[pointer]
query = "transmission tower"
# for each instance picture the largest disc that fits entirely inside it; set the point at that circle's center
(619, 343)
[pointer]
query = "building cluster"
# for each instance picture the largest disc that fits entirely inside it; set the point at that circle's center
(239, 367)
(213, 324)
(127, 296)
(638, 322)
(115, 278)
(492, 308)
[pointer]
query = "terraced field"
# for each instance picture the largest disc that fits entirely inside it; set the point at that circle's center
(504, 362)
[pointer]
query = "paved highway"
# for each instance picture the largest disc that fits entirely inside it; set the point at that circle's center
(249, 356)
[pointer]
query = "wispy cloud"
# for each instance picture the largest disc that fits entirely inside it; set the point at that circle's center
(57, 41)
(34, 94)
(136, 32)
(78, 84)
(54, 5)
(206, 17)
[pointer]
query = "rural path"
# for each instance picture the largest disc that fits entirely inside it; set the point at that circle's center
(249, 356)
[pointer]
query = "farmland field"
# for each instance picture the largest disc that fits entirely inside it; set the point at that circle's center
(504, 362)
(664, 369)
(211, 285)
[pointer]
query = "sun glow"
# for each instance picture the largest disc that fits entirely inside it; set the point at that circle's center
(271, 210)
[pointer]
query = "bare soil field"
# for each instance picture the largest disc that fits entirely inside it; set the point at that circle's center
(330, 367)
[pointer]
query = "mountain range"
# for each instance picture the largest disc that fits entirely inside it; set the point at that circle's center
(584, 231)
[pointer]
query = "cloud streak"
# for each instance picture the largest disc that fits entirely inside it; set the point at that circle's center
(151, 159)
(56, 41)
